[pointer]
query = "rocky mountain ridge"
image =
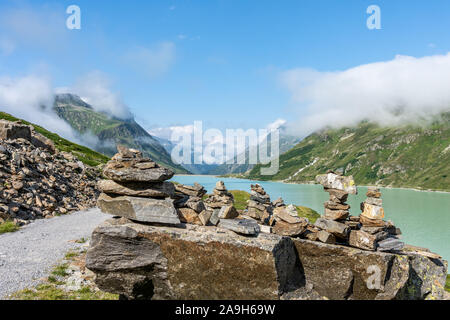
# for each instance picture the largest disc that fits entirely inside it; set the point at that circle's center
(410, 156)
(110, 131)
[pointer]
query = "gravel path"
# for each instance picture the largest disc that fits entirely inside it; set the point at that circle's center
(26, 256)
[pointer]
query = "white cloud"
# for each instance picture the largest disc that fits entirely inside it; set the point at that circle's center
(276, 124)
(167, 133)
(392, 92)
(95, 89)
(153, 61)
(29, 98)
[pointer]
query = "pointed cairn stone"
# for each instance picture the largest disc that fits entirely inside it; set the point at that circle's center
(137, 189)
(338, 187)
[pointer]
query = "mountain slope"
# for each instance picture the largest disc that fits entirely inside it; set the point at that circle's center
(83, 153)
(286, 143)
(409, 156)
(110, 131)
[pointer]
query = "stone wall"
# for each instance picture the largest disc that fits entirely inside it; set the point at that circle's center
(142, 261)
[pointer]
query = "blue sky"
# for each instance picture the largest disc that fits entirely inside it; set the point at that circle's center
(174, 62)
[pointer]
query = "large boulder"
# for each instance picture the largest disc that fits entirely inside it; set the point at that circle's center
(191, 263)
(139, 209)
(197, 262)
(339, 272)
(14, 130)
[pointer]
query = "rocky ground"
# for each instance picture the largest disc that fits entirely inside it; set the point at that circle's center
(37, 181)
(28, 255)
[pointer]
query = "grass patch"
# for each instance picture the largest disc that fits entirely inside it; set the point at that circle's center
(71, 254)
(82, 240)
(240, 199)
(51, 291)
(309, 213)
(54, 288)
(447, 283)
(60, 271)
(8, 226)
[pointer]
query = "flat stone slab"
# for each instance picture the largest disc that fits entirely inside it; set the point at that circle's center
(136, 170)
(139, 209)
(138, 189)
(244, 226)
(390, 244)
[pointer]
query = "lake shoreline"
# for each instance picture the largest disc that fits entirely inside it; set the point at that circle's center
(306, 183)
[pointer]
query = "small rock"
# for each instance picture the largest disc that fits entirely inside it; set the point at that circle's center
(228, 212)
(244, 226)
(325, 237)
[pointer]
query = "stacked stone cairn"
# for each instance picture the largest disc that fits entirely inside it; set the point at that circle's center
(259, 206)
(368, 231)
(137, 189)
(273, 217)
(374, 232)
(224, 215)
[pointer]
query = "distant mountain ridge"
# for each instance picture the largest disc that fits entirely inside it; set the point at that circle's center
(110, 131)
(410, 156)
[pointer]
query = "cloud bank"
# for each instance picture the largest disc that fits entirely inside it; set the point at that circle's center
(95, 89)
(29, 98)
(404, 89)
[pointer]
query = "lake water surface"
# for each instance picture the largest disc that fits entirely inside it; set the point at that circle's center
(423, 217)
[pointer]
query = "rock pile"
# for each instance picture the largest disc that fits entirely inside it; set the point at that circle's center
(367, 232)
(189, 204)
(375, 233)
(220, 197)
(36, 180)
(137, 189)
(338, 187)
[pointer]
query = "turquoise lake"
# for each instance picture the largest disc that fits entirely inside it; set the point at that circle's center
(423, 217)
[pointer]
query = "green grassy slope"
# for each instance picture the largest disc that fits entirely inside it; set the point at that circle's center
(408, 156)
(85, 154)
(111, 131)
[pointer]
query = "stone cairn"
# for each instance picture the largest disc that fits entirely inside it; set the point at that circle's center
(368, 231)
(273, 217)
(137, 189)
(259, 206)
